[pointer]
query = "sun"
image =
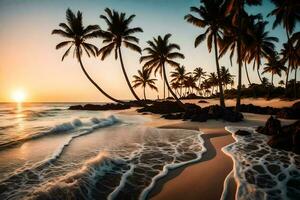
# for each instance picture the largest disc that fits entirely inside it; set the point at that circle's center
(18, 96)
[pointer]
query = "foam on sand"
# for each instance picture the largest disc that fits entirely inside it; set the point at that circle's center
(126, 171)
(262, 172)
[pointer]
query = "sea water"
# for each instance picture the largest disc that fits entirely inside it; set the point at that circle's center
(50, 152)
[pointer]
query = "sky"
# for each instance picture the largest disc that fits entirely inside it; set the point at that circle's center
(29, 61)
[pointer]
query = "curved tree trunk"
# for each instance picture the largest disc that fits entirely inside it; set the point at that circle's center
(126, 77)
(95, 84)
(169, 88)
(246, 69)
(222, 102)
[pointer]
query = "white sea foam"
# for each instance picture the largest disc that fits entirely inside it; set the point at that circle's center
(127, 171)
(262, 172)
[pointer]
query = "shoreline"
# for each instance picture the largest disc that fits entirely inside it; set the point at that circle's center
(193, 180)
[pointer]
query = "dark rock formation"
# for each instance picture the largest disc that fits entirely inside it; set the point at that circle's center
(197, 114)
(163, 107)
(109, 106)
(242, 133)
(272, 127)
(286, 137)
(284, 113)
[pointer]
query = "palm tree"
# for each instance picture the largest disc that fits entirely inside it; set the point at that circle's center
(213, 80)
(226, 77)
(287, 14)
(77, 35)
(179, 75)
(236, 9)
(211, 15)
(190, 83)
(175, 86)
(143, 79)
(274, 67)
(199, 73)
(161, 52)
(261, 46)
(118, 32)
(281, 83)
(265, 81)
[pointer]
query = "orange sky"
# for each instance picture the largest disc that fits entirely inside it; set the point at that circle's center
(29, 61)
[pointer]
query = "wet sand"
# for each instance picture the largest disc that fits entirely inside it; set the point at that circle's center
(203, 178)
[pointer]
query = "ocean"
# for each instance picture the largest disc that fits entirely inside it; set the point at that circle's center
(50, 152)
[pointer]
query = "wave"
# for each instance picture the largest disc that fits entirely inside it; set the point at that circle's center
(262, 172)
(128, 170)
(66, 127)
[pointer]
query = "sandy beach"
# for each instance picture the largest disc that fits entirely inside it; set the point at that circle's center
(206, 176)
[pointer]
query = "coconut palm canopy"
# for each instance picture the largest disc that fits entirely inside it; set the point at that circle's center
(144, 79)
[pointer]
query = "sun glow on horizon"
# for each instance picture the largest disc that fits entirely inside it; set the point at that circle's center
(18, 96)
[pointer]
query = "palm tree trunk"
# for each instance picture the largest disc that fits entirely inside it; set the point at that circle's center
(287, 77)
(222, 102)
(164, 89)
(169, 88)
(246, 69)
(272, 79)
(94, 83)
(125, 74)
(145, 93)
(239, 87)
(295, 85)
(288, 69)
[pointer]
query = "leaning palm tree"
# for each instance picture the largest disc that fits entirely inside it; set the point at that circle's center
(274, 67)
(77, 35)
(210, 16)
(179, 75)
(143, 79)
(119, 33)
(159, 53)
(286, 13)
(236, 9)
(199, 73)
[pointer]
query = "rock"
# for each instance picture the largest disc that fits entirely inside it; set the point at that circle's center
(288, 139)
(109, 106)
(288, 113)
(232, 116)
(296, 106)
(242, 133)
(202, 101)
(201, 117)
(172, 116)
(272, 127)
(76, 107)
(163, 107)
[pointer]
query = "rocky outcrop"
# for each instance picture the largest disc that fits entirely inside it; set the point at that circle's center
(242, 133)
(163, 107)
(285, 137)
(285, 113)
(272, 127)
(197, 114)
(109, 106)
